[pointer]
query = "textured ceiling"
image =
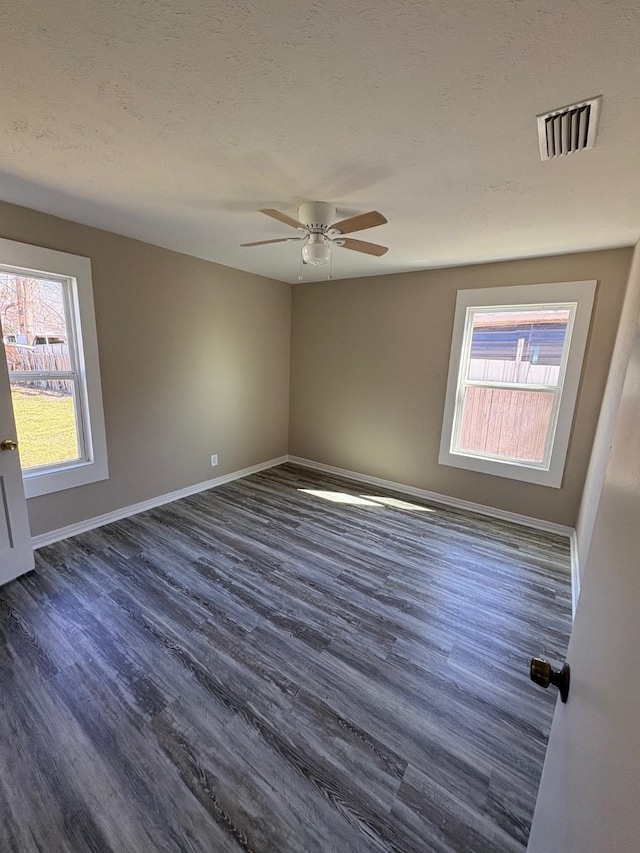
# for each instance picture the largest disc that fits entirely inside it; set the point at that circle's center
(173, 121)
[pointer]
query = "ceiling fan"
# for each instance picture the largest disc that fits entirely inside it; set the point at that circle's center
(320, 232)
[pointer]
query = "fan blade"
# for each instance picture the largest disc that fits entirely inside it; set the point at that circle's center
(264, 242)
(282, 217)
(360, 222)
(363, 246)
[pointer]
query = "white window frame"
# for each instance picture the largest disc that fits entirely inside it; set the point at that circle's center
(558, 294)
(76, 270)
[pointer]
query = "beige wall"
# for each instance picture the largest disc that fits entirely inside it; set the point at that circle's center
(194, 359)
(369, 370)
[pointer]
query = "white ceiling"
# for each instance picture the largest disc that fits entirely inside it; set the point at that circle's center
(173, 121)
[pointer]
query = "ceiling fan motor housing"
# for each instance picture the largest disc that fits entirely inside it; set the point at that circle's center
(317, 215)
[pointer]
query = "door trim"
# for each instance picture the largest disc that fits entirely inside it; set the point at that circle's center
(575, 572)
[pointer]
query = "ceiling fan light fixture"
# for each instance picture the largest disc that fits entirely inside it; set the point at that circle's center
(316, 251)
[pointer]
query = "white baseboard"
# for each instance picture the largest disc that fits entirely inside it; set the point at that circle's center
(445, 500)
(575, 573)
(124, 512)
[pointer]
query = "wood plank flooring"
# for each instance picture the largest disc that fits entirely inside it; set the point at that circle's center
(268, 668)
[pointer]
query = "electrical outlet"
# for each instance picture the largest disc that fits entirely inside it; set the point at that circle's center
(214, 460)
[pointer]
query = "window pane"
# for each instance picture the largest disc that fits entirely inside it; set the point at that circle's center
(523, 346)
(506, 422)
(34, 325)
(45, 413)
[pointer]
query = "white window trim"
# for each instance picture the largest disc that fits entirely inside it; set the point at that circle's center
(41, 261)
(492, 298)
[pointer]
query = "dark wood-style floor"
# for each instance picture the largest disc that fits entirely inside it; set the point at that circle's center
(269, 669)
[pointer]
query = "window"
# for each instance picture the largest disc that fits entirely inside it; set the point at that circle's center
(48, 328)
(514, 372)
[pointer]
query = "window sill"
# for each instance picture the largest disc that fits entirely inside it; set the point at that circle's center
(499, 468)
(67, 477)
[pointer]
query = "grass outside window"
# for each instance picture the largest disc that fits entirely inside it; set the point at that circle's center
(45, 424)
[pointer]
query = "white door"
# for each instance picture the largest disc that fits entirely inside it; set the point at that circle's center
(589, 798)
(16, 553)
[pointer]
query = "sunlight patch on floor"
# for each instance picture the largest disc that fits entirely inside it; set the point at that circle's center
(339, 497)
(365, 500)
(398, 504)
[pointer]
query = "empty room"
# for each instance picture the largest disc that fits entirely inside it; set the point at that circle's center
(319, 445)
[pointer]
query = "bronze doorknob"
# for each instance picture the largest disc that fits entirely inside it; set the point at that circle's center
(8, 444)
(544, 674)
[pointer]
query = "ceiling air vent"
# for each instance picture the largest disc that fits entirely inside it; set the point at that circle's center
(569, 129)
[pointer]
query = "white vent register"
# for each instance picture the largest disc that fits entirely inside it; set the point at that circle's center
(569, 129)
